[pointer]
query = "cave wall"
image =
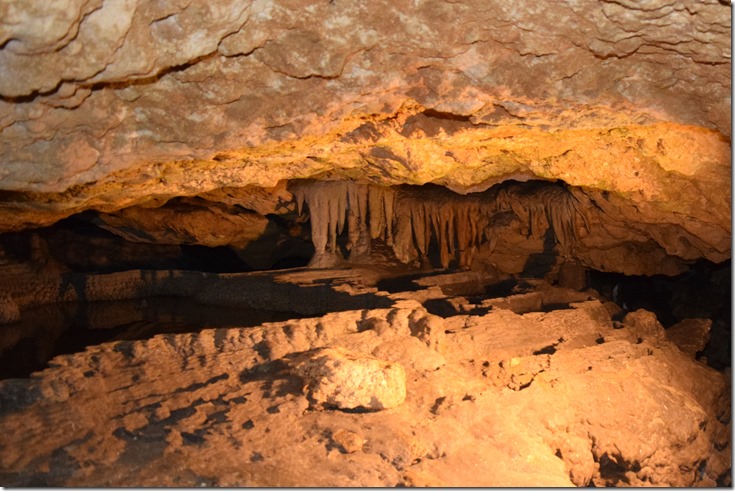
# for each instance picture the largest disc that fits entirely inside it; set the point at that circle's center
(111, 105)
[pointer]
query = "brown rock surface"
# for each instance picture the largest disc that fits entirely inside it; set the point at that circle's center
(225, 405)
(342, 379)
(186, 223)
(9, 310)
(690, 335)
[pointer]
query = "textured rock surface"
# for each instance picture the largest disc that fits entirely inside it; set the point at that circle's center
(226, 406)
(108, 105)
(690, 335)
(9, 310)
(504, 226)
(200, 223)
(219, 123)
(339, 378)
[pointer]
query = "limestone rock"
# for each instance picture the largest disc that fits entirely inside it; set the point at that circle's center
(122, 102)
(519, 303)
(228, 406)
(348, 441)
(644, 325)
(411, 353)
(184, 223)
(573, 275)
(264, 201)
(509, 222)
(690, 335)
(338, 378)
(428, 328)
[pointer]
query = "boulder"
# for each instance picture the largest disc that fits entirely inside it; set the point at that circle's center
(343, 379)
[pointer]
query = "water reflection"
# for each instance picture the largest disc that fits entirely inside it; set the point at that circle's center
(50, 330)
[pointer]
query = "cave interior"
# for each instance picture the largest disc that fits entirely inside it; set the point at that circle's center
(512, 231)
(457, 254)
(343, 244)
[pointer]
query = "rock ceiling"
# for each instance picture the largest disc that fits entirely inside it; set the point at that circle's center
(109, 105)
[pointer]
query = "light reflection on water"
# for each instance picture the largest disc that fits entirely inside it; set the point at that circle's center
(50, 330)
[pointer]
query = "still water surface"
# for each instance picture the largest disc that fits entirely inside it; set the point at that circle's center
(50, 330)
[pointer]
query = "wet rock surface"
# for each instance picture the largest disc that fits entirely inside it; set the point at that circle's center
(544, 397)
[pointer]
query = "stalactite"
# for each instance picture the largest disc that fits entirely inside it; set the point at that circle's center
(403, 246)
(327, 202)
(407, 218)
(563, 214)
(358, 234)
(376, 213)
(421, 233)
(388, 199)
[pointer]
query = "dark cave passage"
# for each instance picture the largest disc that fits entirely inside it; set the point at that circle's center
(412, 235)
(704, 291)
(64, 328)
(526, 228)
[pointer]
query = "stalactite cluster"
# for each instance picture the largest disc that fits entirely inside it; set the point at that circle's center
(366, 210)
(544, 207)
(408, 218)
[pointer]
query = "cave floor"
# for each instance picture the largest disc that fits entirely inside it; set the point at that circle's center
(536, 386)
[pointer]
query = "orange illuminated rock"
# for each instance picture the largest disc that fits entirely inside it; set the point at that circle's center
(338, 378)
(628, 103)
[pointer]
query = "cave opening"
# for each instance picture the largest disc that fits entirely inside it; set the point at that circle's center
(477, 248)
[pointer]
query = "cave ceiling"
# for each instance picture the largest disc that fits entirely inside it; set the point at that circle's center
(111, 105)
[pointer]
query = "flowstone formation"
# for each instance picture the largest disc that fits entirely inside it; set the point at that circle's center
(395, 395)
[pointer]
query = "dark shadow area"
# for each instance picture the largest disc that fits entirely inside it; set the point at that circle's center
(405, 283)
(291, 263)
(550, 307)
(444, 308)
(702, 292)
(441, 307)
(284, 244)
(76, 244)
(502, 288)
(51, 330)
(540, 264)
(220, 259)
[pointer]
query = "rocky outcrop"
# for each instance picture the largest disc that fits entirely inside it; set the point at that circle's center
(591, 404)
(504, 226)
(208, 225)
(690, 335)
